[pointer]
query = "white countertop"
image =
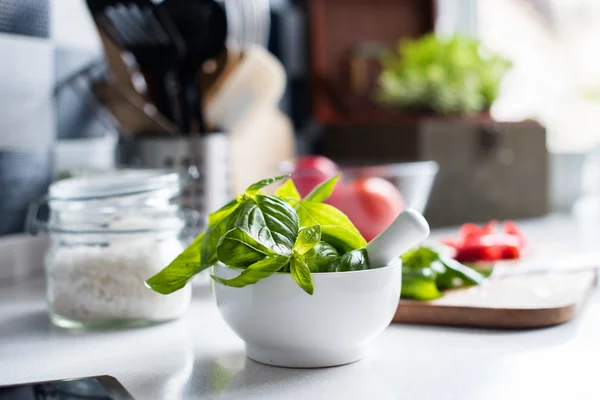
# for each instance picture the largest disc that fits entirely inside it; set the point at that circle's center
(200, 357)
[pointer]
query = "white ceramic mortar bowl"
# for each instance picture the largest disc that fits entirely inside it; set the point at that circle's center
(284, 326)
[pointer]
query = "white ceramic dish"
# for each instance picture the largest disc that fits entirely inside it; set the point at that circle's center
(284, 326)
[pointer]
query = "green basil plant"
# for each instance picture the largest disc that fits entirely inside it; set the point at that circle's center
(261, 234)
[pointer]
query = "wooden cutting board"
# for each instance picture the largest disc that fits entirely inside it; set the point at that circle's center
(514, 302)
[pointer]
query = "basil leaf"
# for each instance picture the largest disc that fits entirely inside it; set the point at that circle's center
(254, 188)
(307, 239)
(175, 275)
(288, 191)
(301, 274)
(217, 227)
(321, 257)
(238, 249)
(419, 284)
(343, 239)
(355, 260)
(255, 272)
(225, 211)
(322, 191)
(268, 220)
(336, 226)
(211, 241)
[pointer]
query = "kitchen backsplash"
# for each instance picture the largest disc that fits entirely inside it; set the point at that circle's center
(60, 37)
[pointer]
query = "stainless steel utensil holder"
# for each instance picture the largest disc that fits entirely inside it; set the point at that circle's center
(205, 158)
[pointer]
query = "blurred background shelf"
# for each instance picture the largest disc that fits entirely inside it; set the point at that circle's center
(328, 104)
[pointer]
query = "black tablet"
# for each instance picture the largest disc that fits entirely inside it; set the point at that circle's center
(95, 387)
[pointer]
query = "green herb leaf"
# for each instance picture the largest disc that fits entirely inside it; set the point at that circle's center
(456, 275)
(419, 257)
(211, 241)
(288, 191)
(221, 214)
(355, 260)
(321, 258)
(255, 272)
(238, 249)
(419, 284)
(176, 275)
(301, 274)
(254, 188)
(342, 238)
(337, 227)
(307, 239)
(217, 227)
(268, 220)
(322, 191)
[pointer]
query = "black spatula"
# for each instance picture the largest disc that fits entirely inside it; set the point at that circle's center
(148, 33)
(203, 27)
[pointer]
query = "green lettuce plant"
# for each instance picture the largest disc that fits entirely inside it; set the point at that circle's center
(455, 75)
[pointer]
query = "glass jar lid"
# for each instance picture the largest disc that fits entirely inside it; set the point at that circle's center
(125, 200)
(117, 183)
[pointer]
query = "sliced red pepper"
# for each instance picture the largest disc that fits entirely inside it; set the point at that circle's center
(485, 243)
(471, 254)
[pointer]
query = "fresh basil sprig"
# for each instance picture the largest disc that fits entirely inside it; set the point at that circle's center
(307, 239)
(262, 234)
(202, 253)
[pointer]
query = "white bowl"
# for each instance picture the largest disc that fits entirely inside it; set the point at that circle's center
(284, 326)
(414, 180)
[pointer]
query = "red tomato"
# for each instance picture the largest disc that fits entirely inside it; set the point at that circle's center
(317, 163)
(371, 203)
(309, 171)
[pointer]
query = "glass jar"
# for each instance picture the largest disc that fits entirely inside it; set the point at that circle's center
(109, 233)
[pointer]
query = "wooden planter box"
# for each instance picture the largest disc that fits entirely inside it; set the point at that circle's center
(488, 170)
